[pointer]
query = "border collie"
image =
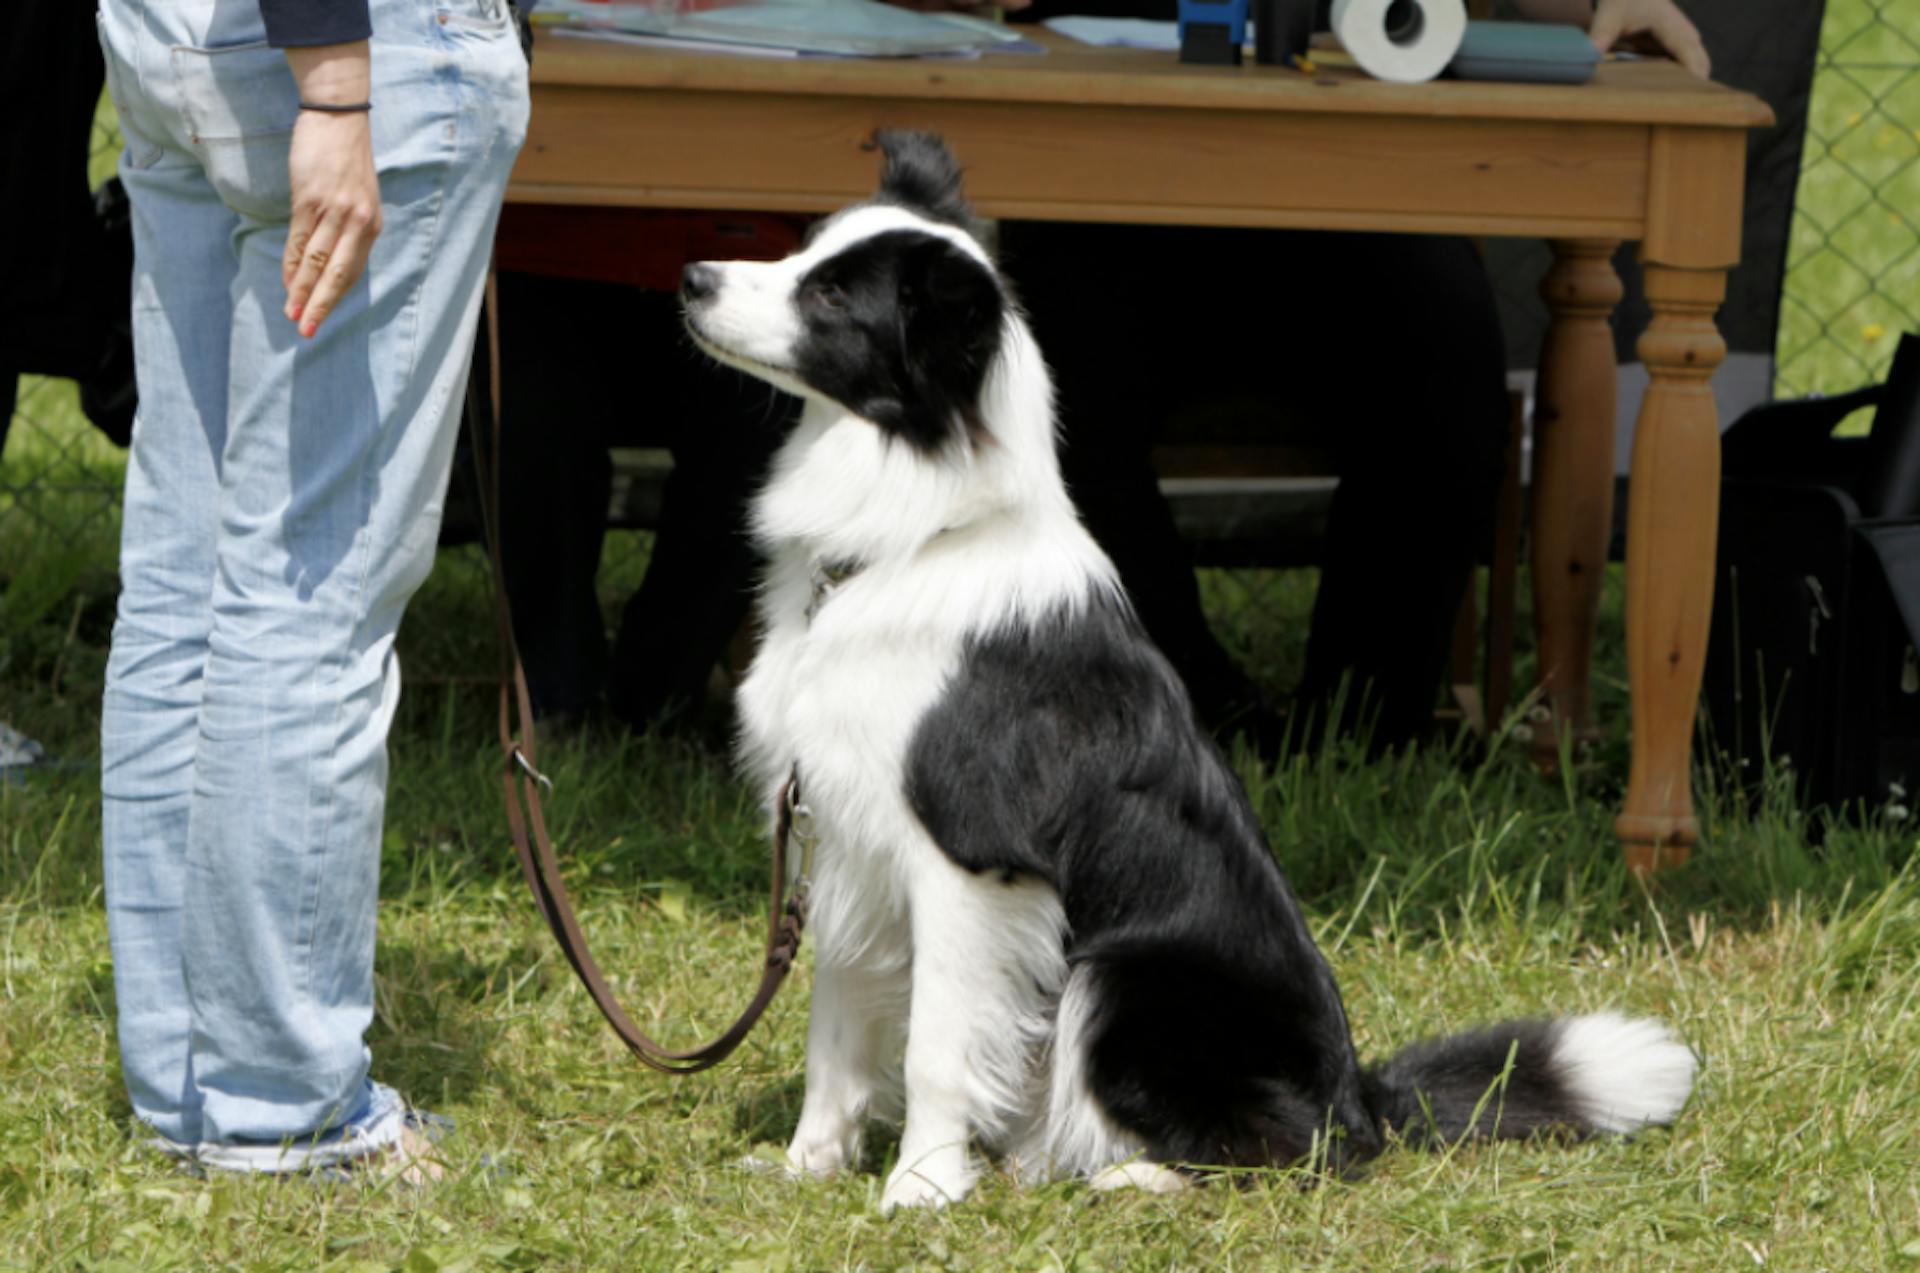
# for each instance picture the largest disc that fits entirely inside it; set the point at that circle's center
(1044, 911)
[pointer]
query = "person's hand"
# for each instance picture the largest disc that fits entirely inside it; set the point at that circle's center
(1658, 21)
(336, 192)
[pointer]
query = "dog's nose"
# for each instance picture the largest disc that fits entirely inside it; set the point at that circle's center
(698, 281)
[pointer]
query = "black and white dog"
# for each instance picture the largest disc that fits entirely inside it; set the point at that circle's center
(1038, 884)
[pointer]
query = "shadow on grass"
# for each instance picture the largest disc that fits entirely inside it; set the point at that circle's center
(769, 1114)
(628, 815)
(435, 1030)
(1425, 838)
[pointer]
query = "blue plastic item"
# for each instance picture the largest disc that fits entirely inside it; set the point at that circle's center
(1212, 32)
(1531, 52)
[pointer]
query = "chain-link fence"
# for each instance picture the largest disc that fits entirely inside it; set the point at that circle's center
(1853, 263)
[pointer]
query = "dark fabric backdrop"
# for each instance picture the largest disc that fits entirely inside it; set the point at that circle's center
(51, 250)
(1766, 47)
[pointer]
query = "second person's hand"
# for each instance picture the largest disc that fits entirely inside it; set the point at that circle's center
(1660, 20)
(335, 188)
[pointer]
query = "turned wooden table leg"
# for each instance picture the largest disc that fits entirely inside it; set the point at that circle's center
(1572, 481)
(1672, 524)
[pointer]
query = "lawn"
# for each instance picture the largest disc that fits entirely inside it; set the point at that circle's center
(1448, 887)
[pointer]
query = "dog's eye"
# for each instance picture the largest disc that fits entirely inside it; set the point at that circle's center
(828, 296)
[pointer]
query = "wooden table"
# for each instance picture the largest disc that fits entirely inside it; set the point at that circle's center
(1645, 152)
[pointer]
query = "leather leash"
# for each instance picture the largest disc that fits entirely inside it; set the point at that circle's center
(521, 780)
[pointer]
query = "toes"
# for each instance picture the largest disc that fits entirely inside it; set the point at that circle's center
(1150, 1177)
(933, 1181)
(911, 1189)
(818, 1159)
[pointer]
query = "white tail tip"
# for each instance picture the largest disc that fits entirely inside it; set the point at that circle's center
(1625, 1073)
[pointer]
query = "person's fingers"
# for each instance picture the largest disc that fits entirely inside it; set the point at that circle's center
(343, 269)
(1682, 39)
(299, 233)
(1606, 29)
(1665, 23)
(336, 212)
(315, 256)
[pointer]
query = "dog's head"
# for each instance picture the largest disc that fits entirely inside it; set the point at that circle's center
(892, 310)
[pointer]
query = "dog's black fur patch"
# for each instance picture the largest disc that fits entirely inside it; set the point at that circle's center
(901, 328)
(1069, 752)
(920, 173)
(1438, 1090)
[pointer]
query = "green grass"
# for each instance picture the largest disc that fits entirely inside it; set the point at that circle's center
(1447, 890)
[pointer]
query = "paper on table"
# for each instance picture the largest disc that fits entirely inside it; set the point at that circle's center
(847, 28)
(673, 42)
(1006, 39)
(680, 44)
(1120, 33)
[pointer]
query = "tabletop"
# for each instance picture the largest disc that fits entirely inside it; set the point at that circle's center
(1652, 91)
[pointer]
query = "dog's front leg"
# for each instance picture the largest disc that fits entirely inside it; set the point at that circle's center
(959, 995)
(843, 1064)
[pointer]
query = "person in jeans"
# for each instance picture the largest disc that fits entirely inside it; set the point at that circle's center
(314, 189)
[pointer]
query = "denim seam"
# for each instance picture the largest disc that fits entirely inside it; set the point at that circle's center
(456, 83)
(371, 467)
(410, 318)
(310, 909)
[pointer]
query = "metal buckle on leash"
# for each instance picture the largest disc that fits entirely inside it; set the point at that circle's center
(800, 830)
(526, 767)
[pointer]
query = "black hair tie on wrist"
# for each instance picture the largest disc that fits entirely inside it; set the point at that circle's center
(329, 108)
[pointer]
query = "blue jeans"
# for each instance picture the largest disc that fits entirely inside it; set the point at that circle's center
(283, 501)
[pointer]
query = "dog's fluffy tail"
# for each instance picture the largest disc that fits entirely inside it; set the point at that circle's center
(1578, 1075)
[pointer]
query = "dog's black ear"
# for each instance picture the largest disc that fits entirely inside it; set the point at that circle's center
(920, 173)
(952, 312)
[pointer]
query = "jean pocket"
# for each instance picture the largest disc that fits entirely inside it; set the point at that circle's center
(240, 103)
(474, 15)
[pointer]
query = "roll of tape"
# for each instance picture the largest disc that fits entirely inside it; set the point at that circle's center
(1406, 41)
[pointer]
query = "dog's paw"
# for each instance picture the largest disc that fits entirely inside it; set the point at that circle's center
(817, 1159)
(1148, 1176)
(941, 1177)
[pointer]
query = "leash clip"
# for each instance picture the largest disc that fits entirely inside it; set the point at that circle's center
(526, 767)
(800, 829)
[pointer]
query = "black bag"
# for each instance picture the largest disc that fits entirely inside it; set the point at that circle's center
(1813, 665)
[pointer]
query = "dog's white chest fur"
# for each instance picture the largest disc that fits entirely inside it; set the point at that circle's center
(845, 674)
(835, 695)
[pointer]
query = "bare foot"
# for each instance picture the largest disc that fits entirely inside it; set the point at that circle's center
(411, 1160)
